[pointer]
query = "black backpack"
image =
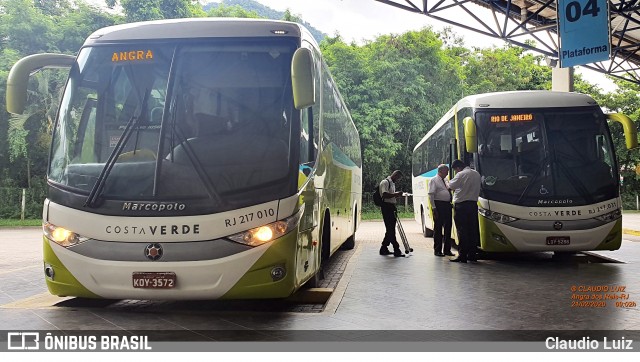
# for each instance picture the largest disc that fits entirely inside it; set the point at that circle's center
(377, 198)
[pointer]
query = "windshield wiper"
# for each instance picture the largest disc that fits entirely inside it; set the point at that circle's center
(576, 183)
(538, 172)
(195, 162)
(113, 157)
(578, 156)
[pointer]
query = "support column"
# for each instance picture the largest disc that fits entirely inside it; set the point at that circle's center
(562, 79)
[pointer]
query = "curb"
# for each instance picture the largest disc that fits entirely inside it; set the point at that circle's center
(631, 232)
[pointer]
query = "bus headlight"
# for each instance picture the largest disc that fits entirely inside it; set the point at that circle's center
(496, 216)
(610, 216)
(61, 236)
(269, 232)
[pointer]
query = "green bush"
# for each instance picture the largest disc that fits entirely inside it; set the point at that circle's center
(11, 201)
(372, 212)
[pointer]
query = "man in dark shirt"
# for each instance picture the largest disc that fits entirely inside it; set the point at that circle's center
(440, 200)
(389, 194)
(466, 186)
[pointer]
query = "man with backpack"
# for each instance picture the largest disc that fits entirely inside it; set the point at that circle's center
(388, 194)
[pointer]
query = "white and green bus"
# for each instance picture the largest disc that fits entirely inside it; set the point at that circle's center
(549, 172)
(195, 159)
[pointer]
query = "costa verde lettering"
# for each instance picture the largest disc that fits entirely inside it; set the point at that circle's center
(154, 230)
(567, 212)
(584, 211)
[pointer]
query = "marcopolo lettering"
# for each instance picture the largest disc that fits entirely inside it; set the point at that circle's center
(153, 206)
(555, 202)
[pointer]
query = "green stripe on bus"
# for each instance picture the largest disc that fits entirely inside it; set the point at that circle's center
(64, 283)
(257, 281)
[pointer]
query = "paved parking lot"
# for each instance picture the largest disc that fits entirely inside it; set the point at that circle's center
(373, 295)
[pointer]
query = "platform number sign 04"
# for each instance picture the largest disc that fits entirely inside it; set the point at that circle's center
(574, 10)
(583, 31)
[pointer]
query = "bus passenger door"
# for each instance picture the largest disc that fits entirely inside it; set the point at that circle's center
(453, 154)
(308, 239)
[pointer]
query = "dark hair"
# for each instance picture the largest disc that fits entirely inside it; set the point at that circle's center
(458, 164)
(397, 172)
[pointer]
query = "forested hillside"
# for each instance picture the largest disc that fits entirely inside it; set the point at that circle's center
(266, 12)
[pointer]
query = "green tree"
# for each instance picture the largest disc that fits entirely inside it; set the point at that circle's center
(141, 10)
(233, 11)
(25, 29)
(78, 22)
(395, 89)
(28, 27)
(288, 16)
(625, 99)
(504, 69)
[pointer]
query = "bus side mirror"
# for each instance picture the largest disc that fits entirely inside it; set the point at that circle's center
(470, 136)
(302, 80)
(630, 130)
(18, 78)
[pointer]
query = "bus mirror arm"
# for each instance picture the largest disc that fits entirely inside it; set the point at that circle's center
(18, 78)
(630, 129)
(470, 135)
(307, 167)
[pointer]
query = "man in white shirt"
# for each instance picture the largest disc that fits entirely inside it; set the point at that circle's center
(389, 194)
(466, 184)
(440, 200)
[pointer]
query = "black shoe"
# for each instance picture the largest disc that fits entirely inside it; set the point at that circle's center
(397, 253)
(458, 260)
(437, 253)
(448, 253)
(472, 258)
(385, 251)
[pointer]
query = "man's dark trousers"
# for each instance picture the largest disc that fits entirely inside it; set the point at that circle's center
(466, 218)
(443, 220)
(389, 217)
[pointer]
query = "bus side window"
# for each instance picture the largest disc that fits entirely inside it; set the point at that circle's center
(315, 109)
(603, 161)
(601, 150)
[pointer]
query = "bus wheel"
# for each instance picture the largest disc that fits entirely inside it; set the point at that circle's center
(426, 232)
(563, 255)
(325, 240)
(350, 243)
(316, 279)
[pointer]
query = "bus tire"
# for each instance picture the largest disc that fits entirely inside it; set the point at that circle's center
(315, 280)
(325, 245)
(563, 255)
(350, 243)
(426, 232)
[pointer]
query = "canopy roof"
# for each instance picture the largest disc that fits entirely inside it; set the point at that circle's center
(517, 21)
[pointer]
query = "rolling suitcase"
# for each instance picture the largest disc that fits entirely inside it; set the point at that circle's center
(407, 248)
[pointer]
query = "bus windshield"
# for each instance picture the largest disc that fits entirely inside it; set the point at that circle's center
(550, 157)
(176, 121)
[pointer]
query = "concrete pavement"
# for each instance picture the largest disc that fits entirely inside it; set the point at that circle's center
(378, 298)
